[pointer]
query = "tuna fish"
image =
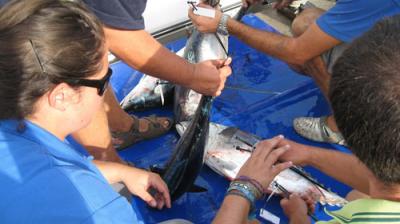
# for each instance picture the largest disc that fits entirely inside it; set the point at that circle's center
(187, 159)
(228, 148)
(200, 47)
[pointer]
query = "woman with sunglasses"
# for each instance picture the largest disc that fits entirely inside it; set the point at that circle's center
(53, 74)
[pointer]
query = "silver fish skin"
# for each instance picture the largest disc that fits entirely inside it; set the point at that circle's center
(149, 93)
(224, 158)
(199, 47)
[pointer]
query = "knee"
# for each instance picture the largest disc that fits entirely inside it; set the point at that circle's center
(307, 17)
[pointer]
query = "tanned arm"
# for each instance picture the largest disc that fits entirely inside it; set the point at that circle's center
(234, 209)
(294, 50)
(141, 51)
(343, 167)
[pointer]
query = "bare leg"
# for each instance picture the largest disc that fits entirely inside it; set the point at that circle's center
(118, 119)
(316, 67)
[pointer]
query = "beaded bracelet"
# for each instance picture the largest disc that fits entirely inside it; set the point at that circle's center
(248, 186)
(246, 191)
(253, 181)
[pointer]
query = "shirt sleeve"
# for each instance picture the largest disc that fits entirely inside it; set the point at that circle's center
(114, 212)
(349, 19)
(120, 14)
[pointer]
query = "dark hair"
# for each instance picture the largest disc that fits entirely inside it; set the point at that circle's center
(365, 97)
(43, 42)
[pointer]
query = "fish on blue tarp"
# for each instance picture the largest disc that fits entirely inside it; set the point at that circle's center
(228, 148)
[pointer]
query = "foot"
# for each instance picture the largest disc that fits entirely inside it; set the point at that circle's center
(316, 129)
(141, 129)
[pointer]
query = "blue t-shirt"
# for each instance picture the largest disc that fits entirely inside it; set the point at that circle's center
(44, 180)
(120, 14)
(349, 19)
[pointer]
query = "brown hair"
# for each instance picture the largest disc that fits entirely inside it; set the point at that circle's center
(43, 42)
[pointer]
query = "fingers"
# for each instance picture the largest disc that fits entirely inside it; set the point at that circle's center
(146, 196)
(191, 14)
(263, 148)
(276, 169)
(224, 71)
(220, 63)
(163, 193)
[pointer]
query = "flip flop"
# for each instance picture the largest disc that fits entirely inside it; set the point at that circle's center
(122, 140)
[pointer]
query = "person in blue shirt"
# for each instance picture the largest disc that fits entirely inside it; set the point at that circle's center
(319, 38)
(53, 76)
(112, 128)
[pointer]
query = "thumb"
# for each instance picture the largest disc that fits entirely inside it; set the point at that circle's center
(284, 202)
(221, 62)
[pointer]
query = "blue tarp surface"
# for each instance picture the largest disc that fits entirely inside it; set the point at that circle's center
(262, 96)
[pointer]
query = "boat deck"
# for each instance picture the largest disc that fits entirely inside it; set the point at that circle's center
(262, 96)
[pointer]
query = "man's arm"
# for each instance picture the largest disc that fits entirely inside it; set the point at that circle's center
(140, 50)
(295, 50)
(343, 167)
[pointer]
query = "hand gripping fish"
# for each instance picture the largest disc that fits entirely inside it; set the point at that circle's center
(199, 47)
(187, 159)
(228, 148)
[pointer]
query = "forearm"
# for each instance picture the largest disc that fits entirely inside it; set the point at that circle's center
(294, 50)
(343, 167)
(113, 172)
(270, 43)
(140, 50)
(234, 210)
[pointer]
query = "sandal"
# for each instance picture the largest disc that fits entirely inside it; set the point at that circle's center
(122, 140)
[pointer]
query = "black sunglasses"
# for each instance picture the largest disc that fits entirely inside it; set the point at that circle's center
(100, 84)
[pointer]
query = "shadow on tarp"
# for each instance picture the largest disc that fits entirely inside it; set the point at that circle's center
(263, 96)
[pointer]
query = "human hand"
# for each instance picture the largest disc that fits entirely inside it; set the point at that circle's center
(297, 153)
(295, 208)
(209, 76)
(205, 24)
(142, 183)
(262, 165)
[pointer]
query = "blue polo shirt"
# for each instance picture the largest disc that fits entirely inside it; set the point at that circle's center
(349, 19)
(44, 180)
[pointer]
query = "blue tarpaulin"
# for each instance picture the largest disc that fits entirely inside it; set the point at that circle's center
(262, 96)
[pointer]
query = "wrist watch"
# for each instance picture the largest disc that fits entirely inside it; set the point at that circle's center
(222, 25)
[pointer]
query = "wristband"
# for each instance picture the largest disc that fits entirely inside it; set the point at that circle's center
(222, 25)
